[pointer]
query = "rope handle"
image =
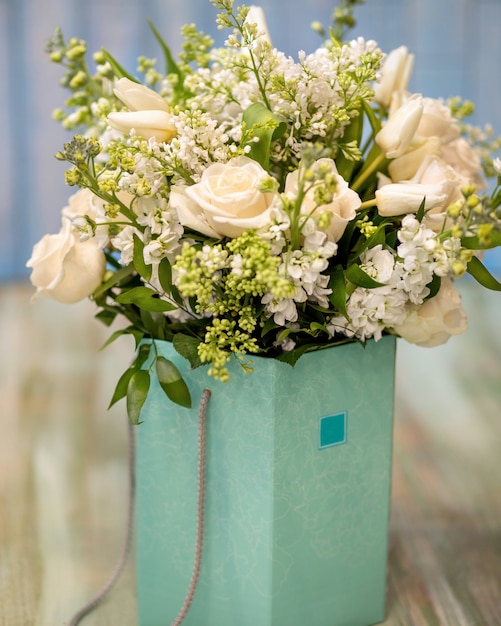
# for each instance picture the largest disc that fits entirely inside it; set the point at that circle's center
(126, 548)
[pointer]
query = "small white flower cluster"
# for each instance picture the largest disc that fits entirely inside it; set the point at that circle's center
(406, 276)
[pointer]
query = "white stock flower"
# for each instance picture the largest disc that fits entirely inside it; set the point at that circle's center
(395, 74)
(64, 268)
(400, 129)
(434, 322)
(228, 198)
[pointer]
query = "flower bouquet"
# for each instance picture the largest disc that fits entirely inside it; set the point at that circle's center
(246, 203)
(246, 206)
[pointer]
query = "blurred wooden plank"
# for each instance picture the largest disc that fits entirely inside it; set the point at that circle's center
(63, 471)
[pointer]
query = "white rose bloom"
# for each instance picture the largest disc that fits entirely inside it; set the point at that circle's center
(342, 208)
(227, 199)
(400, 198)
(464, 160)
(65, 268)
(434, 322)
(395, 74)
(400, 129)
(437, 121)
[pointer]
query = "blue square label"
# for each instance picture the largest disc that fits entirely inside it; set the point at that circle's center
(332, 430)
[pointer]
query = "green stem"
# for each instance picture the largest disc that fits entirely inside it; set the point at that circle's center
(367, 204)
(370, 169)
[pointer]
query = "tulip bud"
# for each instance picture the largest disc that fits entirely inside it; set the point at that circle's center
(137, 97)
(395, 75)
(147, 124)
(401, 198)
(399, 131)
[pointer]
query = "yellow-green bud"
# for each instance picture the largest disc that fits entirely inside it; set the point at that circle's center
(78, 80)
(75, 52)
(56, 56)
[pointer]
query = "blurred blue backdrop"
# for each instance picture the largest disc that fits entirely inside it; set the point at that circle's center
(456, 42)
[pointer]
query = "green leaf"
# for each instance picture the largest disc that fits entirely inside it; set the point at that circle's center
(337, 283)
(121, 387)
(130, 330)
(138, 259)
(171, 66)
(145, 298)
(269, 325)
(154, 323)
(292, 357)
(137, 392)
(114, 279)
(118, 70)
(482, 275)
(434, 286)
(172, 382)
(165, 275)
(356, 275)
(123, 382)
(106, 317)
(352, 132)
(187, 347)
(420, 211)
(266, 126)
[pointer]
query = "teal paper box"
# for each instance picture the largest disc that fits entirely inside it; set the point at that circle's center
(297, 493)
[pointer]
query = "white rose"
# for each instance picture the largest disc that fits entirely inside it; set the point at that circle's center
(395, 74)
(434, 322)
(227, 198)
(464, 160)
(148, 116)
(400, 198)
(342, 208)
(65, 268)
(400, 129)
(437, 121)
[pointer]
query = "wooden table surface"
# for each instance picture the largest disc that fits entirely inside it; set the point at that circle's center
(63, 472)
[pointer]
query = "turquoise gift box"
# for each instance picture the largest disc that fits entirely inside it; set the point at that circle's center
(297, 492)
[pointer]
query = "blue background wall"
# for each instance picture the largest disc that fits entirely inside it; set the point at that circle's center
(456, 42)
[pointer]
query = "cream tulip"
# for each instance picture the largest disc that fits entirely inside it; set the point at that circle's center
(395, 74)
(401, 198)
(400, 129)
(405, 167)
(146, 124)
(148, 116)
(137, 97)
